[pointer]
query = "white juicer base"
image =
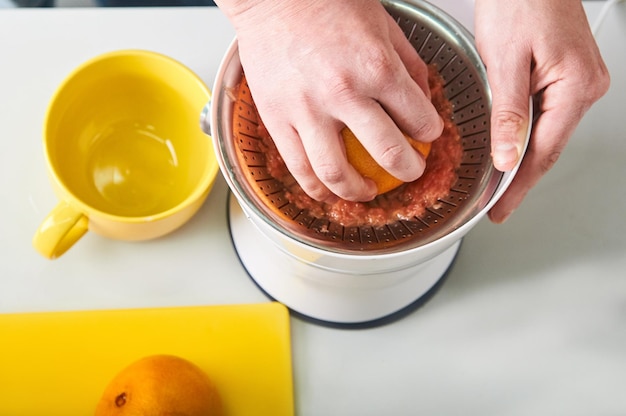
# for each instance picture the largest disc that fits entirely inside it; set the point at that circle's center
(330, 297)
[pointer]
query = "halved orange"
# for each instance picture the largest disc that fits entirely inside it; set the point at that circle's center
(365, 164)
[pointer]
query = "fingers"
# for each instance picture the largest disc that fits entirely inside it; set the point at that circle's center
(509, 61)
(542, 153)
(329, 165)
(384, 141)
(559, 107)
(379, 126)
(323, 171)
(298, 164)
(509, 78)
(551, 54)
(408, 102)
(374, 83)
(562, 106)
(415, 66)
(400, 103)
(389, 103)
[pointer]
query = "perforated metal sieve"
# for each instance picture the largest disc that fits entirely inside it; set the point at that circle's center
(439, 40)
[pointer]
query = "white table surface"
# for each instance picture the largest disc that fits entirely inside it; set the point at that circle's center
(531, 320)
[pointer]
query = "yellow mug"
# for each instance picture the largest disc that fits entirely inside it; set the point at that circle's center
(125, 151)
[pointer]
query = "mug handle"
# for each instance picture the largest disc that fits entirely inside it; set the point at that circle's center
(63, 227)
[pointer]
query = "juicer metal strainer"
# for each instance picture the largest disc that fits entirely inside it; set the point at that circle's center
(351, 275)
(465, 87)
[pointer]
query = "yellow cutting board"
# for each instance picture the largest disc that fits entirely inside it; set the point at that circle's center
(59, 363)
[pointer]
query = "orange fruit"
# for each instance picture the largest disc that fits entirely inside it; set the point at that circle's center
(160, 385)
(365, 164)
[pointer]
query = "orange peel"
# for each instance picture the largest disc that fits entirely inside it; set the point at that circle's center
(365, 164)
(160, 385)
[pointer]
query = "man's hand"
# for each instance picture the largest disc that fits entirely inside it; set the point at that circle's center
(314, 67)
(545, 49)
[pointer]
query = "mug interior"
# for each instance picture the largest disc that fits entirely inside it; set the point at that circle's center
(123, 136)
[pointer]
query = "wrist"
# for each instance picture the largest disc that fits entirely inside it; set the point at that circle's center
(246, 13)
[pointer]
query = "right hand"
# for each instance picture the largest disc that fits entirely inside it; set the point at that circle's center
(315, 67)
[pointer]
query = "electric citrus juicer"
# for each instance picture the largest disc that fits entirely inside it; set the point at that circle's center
(359, 276)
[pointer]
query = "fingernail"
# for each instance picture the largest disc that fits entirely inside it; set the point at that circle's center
(499, 218)
(331, 199)
(505, 155)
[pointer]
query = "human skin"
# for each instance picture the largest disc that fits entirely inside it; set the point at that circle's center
(544, 49)
(315, 66)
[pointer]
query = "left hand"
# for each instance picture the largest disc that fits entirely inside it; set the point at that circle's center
(544, 49)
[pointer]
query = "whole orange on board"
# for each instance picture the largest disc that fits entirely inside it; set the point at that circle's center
(160, 385)
(365, 164)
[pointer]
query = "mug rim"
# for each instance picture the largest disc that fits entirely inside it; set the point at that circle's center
(200, 189)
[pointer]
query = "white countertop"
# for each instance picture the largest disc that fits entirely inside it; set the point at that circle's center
(531, 320)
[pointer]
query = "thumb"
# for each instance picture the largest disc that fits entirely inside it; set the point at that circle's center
(509, 79)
